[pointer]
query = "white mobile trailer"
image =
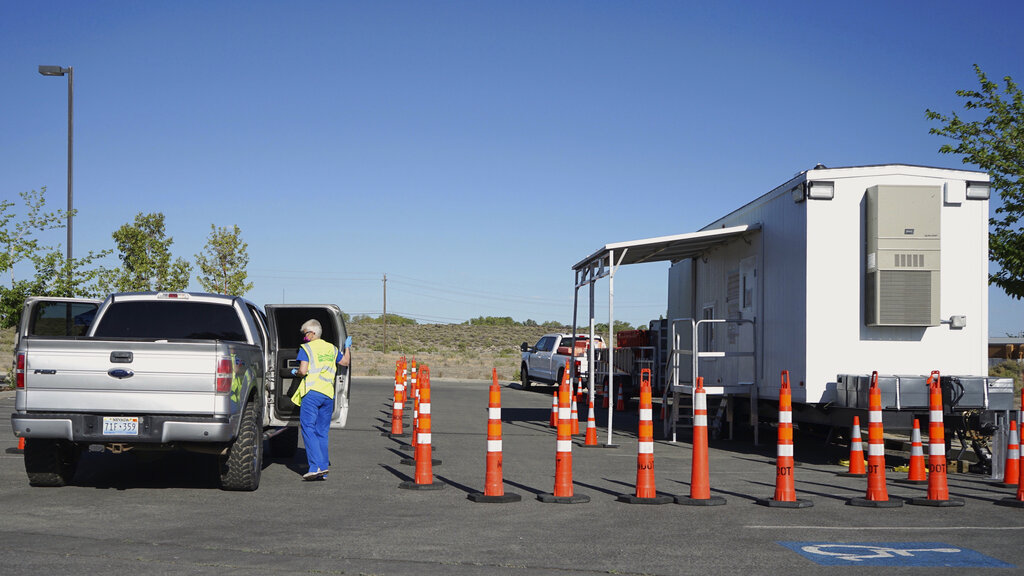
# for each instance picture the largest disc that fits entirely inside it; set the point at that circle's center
(844, 271)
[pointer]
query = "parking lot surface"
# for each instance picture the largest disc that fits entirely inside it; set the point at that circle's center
(138, 513)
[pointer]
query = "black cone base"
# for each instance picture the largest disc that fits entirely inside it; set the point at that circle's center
(410, 485)
(393, 435)
(482, 498)
(773, 503)
(865, 503)
(574, 499)
(947, 503)
(712, 501)
(631, 499)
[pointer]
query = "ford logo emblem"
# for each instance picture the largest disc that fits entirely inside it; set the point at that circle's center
(120, 373)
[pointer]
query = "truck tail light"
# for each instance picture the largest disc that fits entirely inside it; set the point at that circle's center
(19, 373)
(577, 366)
(224, 374)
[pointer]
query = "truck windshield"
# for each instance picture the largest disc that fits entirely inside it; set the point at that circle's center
(170, 320)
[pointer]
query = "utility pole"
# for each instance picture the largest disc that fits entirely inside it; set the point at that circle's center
(385, 316)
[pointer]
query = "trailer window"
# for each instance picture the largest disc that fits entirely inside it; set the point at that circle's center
(170, 320)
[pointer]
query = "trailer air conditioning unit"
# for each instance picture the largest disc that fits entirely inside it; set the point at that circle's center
(901, 286)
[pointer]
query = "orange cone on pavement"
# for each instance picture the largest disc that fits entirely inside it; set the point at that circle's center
(574, 418)
(1011, 470)
(606, 395)
(938, 489)
(424, 477)
(398, 405)
(700, 483)
(785, 465)
(554, 409)
(916, 474)
(877, 495)
(645, 489)
(21, 444)
(856, 468)
(1018, 501)
(591, 438)
(563, 493)
(620, 402)
(494, 487)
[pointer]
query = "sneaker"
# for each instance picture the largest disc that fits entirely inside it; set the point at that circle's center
(318, 475)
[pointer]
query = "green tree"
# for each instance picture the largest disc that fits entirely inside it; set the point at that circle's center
(145, 253)
(53, 274)
(222, 264)
(995, 143)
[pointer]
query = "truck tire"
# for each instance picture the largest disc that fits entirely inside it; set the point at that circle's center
(284, 444)
(524, 376)
(49, 462)
(241, 468)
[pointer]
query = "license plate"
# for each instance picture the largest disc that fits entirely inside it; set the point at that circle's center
(121, 425)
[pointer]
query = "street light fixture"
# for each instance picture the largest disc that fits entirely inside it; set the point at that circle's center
(70, 72)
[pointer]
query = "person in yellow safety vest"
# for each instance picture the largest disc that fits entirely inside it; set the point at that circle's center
(318, 362)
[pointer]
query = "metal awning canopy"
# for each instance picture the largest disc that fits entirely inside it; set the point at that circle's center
(606, 261)
(664, 248)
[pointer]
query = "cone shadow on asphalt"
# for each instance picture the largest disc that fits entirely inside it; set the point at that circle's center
(396, 473)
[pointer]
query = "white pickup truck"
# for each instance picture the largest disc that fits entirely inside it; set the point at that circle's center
(545, 361)
(162, 371)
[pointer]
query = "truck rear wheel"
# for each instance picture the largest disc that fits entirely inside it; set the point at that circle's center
(49, 462)
(524, 375)
(241, 468)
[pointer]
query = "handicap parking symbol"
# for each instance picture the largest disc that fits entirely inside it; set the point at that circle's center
(892, 554)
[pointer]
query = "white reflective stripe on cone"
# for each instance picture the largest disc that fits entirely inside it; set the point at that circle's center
(700, 420)
(937, 449)
(646, 414)
(785, 417)
(564, 414)
(876, 449)
(646, 448)
(424, 408)
(494, 445)
(875, 417)
(935, 415)
(564, 446)
(423, 438)
(494, 413)
(700, 402)
(785, 450)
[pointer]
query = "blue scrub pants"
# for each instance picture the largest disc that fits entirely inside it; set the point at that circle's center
(315, 420)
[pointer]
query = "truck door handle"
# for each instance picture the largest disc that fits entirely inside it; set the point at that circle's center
(121, 357)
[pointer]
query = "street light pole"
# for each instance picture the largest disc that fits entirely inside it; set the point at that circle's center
(70, 72)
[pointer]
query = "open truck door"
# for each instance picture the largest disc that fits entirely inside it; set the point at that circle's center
(284, 322)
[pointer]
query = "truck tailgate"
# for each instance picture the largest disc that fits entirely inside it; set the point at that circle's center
(86, 375)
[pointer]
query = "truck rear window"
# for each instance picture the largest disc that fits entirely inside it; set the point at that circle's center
(163, 320)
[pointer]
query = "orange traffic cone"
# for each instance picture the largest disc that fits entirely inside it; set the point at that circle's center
(606, 395)
(700, 483)
(591, 438)
(916, 474)
(413, 446)
(21, 444)
(785, 466)
(645, 490)
(398, 406)
(620, 402)
(856, 467)
(563, 493)
(554, 409)
(877, 496)
(1011, 470)
(424, 478)
(494, 487)
(938, 490)
(1018, 501)
(574, 418)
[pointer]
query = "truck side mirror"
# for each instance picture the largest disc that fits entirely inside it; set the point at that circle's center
(524, 347)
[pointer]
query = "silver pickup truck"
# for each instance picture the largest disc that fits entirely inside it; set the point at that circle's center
(162, 371)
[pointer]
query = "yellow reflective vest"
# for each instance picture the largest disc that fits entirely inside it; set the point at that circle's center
(323, 365)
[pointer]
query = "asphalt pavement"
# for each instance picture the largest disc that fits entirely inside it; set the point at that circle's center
(163, 514)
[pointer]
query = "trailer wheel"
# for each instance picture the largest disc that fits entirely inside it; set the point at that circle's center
(49, 462)
(241, 468)
(524, 376)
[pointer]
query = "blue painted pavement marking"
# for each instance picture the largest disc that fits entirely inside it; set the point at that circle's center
(892, 554)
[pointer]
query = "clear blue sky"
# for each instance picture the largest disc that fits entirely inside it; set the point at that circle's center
(472, 151)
